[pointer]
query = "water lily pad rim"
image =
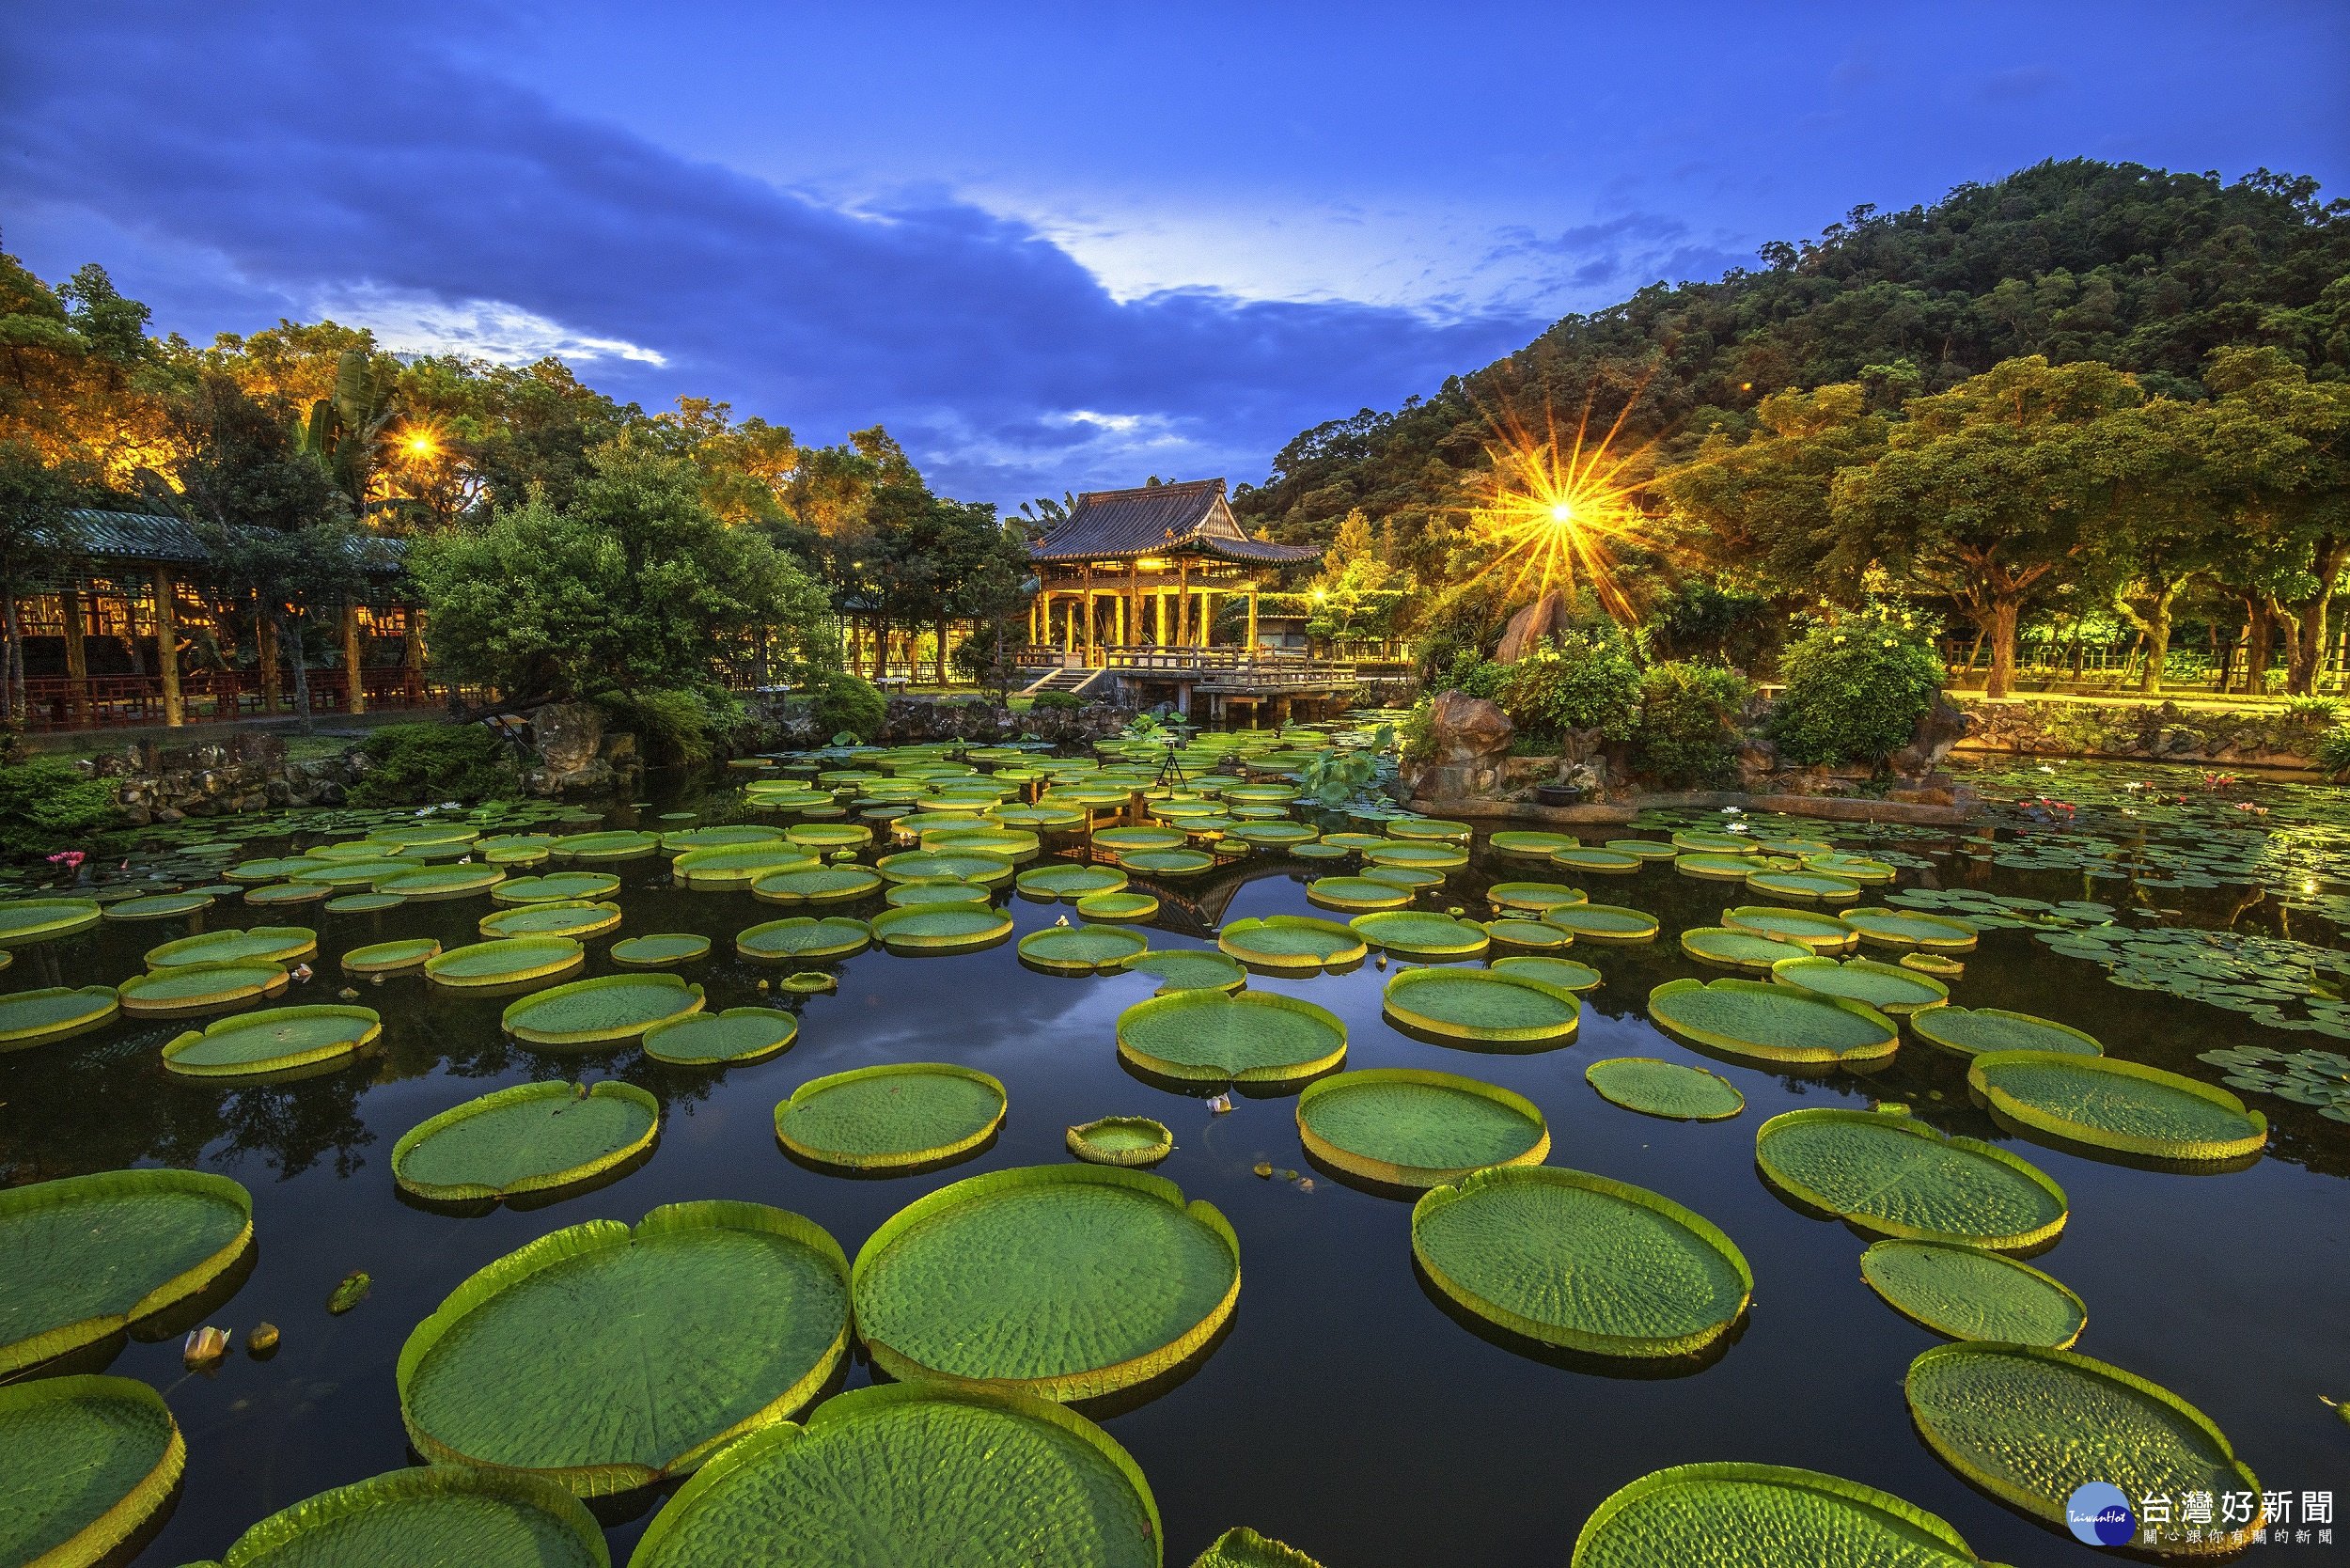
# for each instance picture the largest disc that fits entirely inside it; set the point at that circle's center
(518, 1011)
(1982, 1073)
(1892, 1244)
(1080, 1141)
(607, 1088)
(1173, 1001)
(790, 1024)
(1767, 1050)
(98, 1537)
(1396, 999)
(1358, 1164)
(893, 1158)
(1911, 1128)
(180, 1045)
(1906, 1517)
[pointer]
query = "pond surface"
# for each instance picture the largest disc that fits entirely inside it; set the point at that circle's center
(1346, 1411)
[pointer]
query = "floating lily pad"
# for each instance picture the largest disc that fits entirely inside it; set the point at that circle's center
(1494, 1005)
(1068, 1281)
(1812, 887)
(1763, 1514)
(917, 1473)
(1564, 973)
(1122, 1140)
(1774, 1023)
(1431, 858)
(1189, 970)
(1851, 867)
(1355, 892)
(1574, 1260)
(1411, 1128)
(1665, 1089)
(89, 1461)
(2123, 1105)
(446, 833)
(1536, 896)
(1968, 1294)
(555, 888)
(292, 892)
(891, 1117)
(988, 871)
(1715, 844)
(1120, 838)
(1070, 882)
(1896, 992)
(1081, 949)
(1902, 928)
(1727, 949)
(808, 982)
(1293, 942)
(360, 904)
(817, 885)
(735, 832)
(274, 1040)
(1281, 835)
(85, 1256)
(829, 834)
(1896, 1176)
(1603, 922)
(660, 949)
(1531, 846)
(253, 872)
(442, 882)
(905, 895)
(706, 1322)
(985, 840)
(1414, 877)
(1812, 930)
(531, 1137)
(1254, 1037)
(1416, 931)
(352, 873)
(804, 936)
(158, 906)
(30, 1017)
(1128, 907)
(727, 1039)
(1971, 1031)
(268, 943)
(507, 961)
(735, 865)
(941, 928)
(183, 988)
(1602, 862)
(1243, 1547)
(2032, 1425)
(1171, 862)
(1528, 934)
(1714, 867)
(576, 918)
(1931, 963)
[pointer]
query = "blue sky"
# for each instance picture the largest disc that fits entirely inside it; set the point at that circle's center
(1061, 246)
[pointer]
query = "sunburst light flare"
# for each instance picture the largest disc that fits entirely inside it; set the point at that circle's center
(1557, 505)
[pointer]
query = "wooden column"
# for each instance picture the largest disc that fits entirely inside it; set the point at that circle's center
(1034, 639)
(1132, 604)
(1089, 597)
(356, 701)
(1122, 620)
(1252, 622)
(69, 603)
(167, 647)
(1182, 604)
(1068, 628)
(1207, 618)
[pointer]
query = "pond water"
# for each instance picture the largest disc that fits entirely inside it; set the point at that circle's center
(1346, 1411)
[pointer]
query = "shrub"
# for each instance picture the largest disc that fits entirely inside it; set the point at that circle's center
(2333, 750)
(672, 727)
(46, 807)
(848, 704)
(1687, 736)
(1579, 680)
(974, 658)
(1474, 675)
(2322, 707)
(1419, 731)
(1057, 701)
(1855, 690)
(423, 764)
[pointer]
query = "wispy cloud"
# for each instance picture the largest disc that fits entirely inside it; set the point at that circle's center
(412, 322)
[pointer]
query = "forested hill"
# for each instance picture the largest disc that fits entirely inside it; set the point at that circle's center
(2140, 267)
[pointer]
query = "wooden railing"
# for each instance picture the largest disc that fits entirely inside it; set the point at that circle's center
(213, 695)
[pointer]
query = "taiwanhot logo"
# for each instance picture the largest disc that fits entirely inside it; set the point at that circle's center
(2099, 1515)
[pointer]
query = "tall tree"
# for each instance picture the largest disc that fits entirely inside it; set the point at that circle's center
(1762, 507)
(38, 537)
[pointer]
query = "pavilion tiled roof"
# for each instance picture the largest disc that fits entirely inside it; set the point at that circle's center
(1118, 524)
(149, 539)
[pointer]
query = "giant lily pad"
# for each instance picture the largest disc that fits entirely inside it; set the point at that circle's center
(941, 928)
(924, 1473)
(1896, 1176)
(1411, 1128)
(1773, 1023)
(738, 1035)
(1602, 862)
(404, 838)
(1714, 867)
(1120, 907)
(660, 949)
(89, 1460)
(1970, 1031)
(1741, 1515)
(23, 921)
(29, 1017)
(1494, 1005)
(1425, 857)
(434, 1513)
(1122, 1140)
(292, 892)
(1727, 948)
(817, 885)
(1851, 867)
(986, 869)
(1808, 885)
(735, 832)
(1538, 896)
(577, 918)
(1255, 1037)
(268, 943)
(596, 1012)
(1189, 970)
(904, 895)
(555, 888)
(1069, 881)
(1418, 932)
(1969, 1293)
(360, 904)
(507, 961)
(1243, 1547)
(274, 1040)
(1565, 973)
(706, 1322)
(158, 906)
(1696, 842)
(1531, 846)
(1603, 922)
(736, 865)
(441, 882)
(2031, 1425)
(1528, 934)
(1068, 1281)
(352, 873)
(1575, 1260)
(1293, 942)
(527, 1138)
(1812, 930)
(1896, 992)
(186, 988)
(804, 936)
(1119, 840)
(891, 1117)
(385, 958)
(829, 836)
(2123, 1105)
(1082, 949)
(1902, 928)
(85, 1256)
(1665, 1089)
(1355, 892)
(1169, 862)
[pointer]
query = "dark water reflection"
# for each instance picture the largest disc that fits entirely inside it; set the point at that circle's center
(1349, 1409)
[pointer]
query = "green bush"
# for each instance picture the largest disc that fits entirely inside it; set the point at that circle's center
(1577, 680)
(1057, 701)
(848, 704)
(1474, 675)
(2323, 708)
(1419, 731)
(2333, 750)
(1855, 690)
(974, 658)
(46, 807)
(672, 727)
(1687, 737)
(424, 764)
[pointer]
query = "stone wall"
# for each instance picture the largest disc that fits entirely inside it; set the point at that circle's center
(2142, 732)
(246, 772)
(790, 724)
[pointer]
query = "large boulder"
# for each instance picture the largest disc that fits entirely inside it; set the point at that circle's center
(1468, 729)
(1529, 626)
(1938, 728)
(568, 736)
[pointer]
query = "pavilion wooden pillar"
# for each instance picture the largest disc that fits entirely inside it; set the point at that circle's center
(1041, 598)
(1182, 604)
(355, 699)
(167, 647)
(1132, 604)
(413, 650)
(70, 601)
(1207, 617)
(1252, 622)
(1089, 597)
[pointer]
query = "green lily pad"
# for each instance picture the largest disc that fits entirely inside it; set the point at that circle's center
(1127, 907)
(1714, 867)
(1812, 887)
(52, 1013)
(1666, 1088)
(1971, 1031)
(735, 832)
(1851, 867)
(158, 906)
(507, 961)
(360, 904)
(1727, 949)
(1255, 1037)
(274, 1040)
(1416, 931)
(1081, 949)
(662, 949)
(1564, 973)
(706, 1322)
(1120, 838)
(1171, 862)
(1902, 928)
(890, 1117)
(1243, 1547)
(1896, 992)
(555, 888)
(1411, 1128)
(1355, 892)
(1532, 846)
(384, 958)
(186, 988)
(1414, 877)
(403, 838)
(1813, 931)
(1896, 1176)
(734, 865)
(827, 836)
(246, 871)
(1537, 896)
(1122, 1140)
(352, 873)
(577, 918)
(1293, 942)
(1774, 1023)
(89, 1461)
(1067, 1282)
(1764, 1513)
(442, 882)
(2123, 1105)
(804, 936)
(941, 928)
(1069, 882)
(732, 1038)
(817, 884)
(1574, 1260)
(2031, 1425)
(292, 892)
(988, 871)
(1968, 1294)
(1494, 1005)
(1430, 858)
(1715, 844)
(1528, 934)
(1189, 970)
(1602, 862)
(598, 1010)
(1603, 922)
(527, 1138)
(84, 1257)
(268, 943)
(901, 1474)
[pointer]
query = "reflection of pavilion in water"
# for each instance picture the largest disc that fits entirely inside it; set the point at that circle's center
(1195, 905)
